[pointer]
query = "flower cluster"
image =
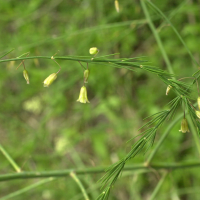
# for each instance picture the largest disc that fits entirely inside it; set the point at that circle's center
(48, 81)
(52, 77)
(83, 92)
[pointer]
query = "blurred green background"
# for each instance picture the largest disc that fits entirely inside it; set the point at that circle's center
(46, 129)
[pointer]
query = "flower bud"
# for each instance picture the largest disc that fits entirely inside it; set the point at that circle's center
(169, 87)
(50, 79)
(197, 113)
(184, 126)
(25, 74)
(198, 102)
(83, 95)
(117, 5)
(86, 75)
(93, 50)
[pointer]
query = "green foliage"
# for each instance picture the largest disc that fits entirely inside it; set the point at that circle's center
(46, 130)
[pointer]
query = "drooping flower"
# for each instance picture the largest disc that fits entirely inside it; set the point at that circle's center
(197, 113)
(83, 95)
(184, 126)
(117, 5)
(198, 102)
(25, 74)
(50, 79)
(169, 87)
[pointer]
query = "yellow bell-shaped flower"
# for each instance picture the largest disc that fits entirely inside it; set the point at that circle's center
(169, 87)
(198, 102)
(83, 95)
(184, 126)
(25, 74)
(50, 79)
(197, 113)
(117, 5)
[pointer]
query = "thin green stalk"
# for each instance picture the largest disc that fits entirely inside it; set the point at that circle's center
(195, 134)
(173, 190)
(159, 185)
(155, 33)
(76, 179)
(26, 189)
(172, 14)
(47, 57)
(97, 28)
(25, 58)
(88, 180)
(6, 53)
(165, 134)
(89, 190)
(94, 170)
(76, 58)
(9, 158)
(177, 33)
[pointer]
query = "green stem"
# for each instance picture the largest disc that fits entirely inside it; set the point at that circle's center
(6, 53)
(10, 160)
(76, 179)
(21, 191)
(179, 36)
(86, 59)
(195, 134)
(156, 190)
(172, 14)
(25, 58)
(60, 58)
(88, 179)
(159, 143)
(155, 33)
(63, 173)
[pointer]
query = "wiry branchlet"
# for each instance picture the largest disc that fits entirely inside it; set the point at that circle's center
(83, 95)
(198, 102)
(86, 75)
(117, 5)
(25, 74)
(50, 79)
(184, 126)
(93, 50)
(197, 113)
(169, 87)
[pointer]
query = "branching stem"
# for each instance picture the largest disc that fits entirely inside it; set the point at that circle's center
(163, 137)
(76, 179)
(10, 159)
(94, 170)
(155, 33)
